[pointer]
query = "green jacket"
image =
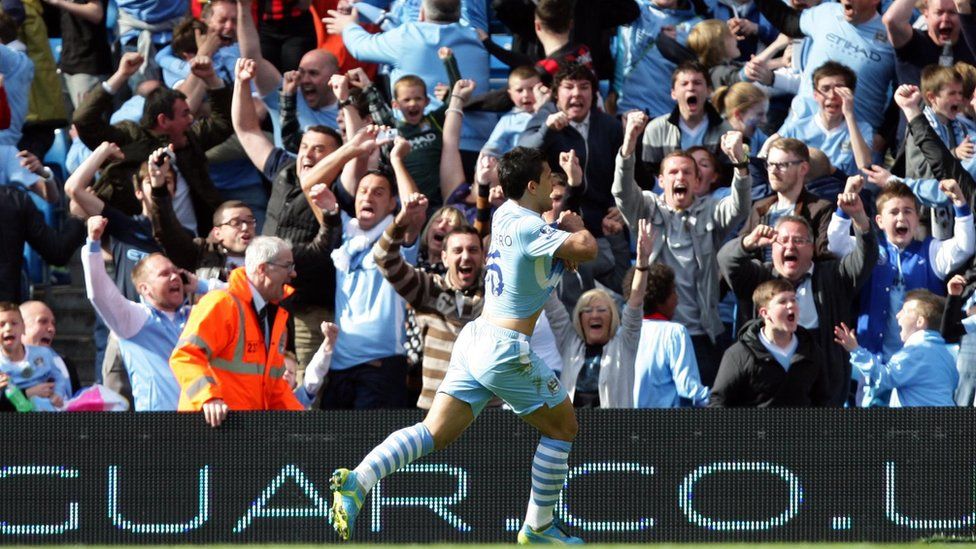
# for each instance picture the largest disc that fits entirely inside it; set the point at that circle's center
(45, 94)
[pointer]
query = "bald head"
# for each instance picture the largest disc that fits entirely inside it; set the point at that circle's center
(321, 58)
(314, 72)
(38, 323)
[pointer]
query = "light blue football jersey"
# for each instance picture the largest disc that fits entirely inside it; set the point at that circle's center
(521, 271)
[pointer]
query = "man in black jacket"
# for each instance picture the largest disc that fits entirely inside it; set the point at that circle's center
(573, 124)
(825, 290)
(776, 363)
(20, 222)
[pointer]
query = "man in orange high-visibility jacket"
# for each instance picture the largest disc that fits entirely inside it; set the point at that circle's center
(231, 353)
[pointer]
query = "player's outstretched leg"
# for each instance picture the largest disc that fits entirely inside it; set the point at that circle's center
(349, 488)
(549, 469)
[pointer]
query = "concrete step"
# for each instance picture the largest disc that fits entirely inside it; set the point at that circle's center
(80, 352)
(75, 318)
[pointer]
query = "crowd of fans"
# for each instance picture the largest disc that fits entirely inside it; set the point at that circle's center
(782, 194)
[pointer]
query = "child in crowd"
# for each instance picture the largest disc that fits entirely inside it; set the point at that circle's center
(665, 369)
(32, 369)
(776, 362)
(523, 86)
(905, 263)
(717, 50)
(924, 371)
(833, 128)
(744, 106)
(948, 93)
(423, 130)
(942, 90)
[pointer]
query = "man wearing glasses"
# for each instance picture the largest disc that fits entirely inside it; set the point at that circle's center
(210, 258)
(231, 353)
(787, 165)
(825, 290)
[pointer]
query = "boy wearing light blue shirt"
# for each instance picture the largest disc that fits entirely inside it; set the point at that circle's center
(521, 83)
(32, 369)
(923, 372)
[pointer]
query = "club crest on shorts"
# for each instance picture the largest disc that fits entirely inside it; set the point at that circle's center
(553, 385)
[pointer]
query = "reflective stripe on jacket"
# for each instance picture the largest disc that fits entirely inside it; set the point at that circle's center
(222, 354)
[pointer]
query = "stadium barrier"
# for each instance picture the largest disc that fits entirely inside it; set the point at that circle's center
(635, 476)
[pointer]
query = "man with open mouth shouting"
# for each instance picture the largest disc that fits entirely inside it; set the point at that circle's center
(824, 290)
(939, 43)
(694, 122)
(691, 229)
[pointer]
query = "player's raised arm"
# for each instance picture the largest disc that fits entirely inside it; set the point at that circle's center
(580, 247)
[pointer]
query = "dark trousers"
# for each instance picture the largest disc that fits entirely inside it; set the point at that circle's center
(378, 384)
(284, 42)
(709, 356)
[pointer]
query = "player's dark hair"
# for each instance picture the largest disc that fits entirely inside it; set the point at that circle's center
(517, 167)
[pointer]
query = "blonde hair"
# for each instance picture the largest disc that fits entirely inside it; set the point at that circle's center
(928, 305)
(707, 40)
(457, 220)
(408, 81)
(936, 77)
(740, 96)
(968, 74)
(585, 300)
